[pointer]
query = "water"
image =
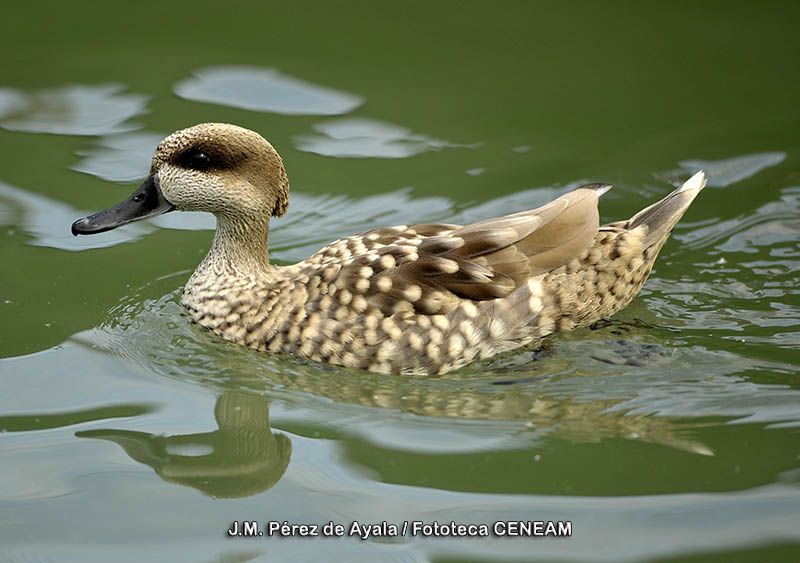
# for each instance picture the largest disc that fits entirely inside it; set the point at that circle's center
(667, 433)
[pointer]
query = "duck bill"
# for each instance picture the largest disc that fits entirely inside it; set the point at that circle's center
(147, 201)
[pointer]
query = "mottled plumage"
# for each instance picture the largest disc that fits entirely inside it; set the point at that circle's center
(411, 299)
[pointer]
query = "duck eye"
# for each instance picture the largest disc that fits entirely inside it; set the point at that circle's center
(196, 160)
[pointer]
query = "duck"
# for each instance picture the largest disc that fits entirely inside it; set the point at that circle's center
(417, 299)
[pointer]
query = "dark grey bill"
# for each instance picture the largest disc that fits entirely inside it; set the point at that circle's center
(147, 201)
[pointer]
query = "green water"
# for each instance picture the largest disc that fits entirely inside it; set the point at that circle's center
(668, 434)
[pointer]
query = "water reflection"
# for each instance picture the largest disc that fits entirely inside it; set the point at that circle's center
(773, 222)
(359, 137)
(47, 221)
(558, 396)
(12, 101)
(242, 458)
(264, 89)
(46, 421)
(721, 173)
(120, 158)
(71, 110)
(632, 380)
(743, 293)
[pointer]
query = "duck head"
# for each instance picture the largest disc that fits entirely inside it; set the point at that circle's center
(226, 170)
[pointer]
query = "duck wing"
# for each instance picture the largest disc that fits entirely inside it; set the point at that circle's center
(431, 268)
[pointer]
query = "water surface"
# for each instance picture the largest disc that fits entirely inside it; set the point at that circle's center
(667, 433)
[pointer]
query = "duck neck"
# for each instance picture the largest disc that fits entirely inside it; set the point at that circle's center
(239, 248)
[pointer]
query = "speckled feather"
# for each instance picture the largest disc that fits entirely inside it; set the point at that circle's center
(411, 299)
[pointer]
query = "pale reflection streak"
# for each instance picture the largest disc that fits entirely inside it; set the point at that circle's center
(359, 137)
(46, 221)
(727, 171)
(264, 89)
(71, 110)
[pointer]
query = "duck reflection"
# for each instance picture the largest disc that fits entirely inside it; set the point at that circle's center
(516, 390)
(574, 418)
(576, 389)
(243, 457)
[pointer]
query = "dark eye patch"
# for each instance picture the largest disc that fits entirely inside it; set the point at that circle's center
(196, 159)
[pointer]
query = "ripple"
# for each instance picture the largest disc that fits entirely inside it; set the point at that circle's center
(772, 223)
(46, 421)
(786, 340)
(655, 392)
(264, 89)
(775, 231)
(120, 158)
(48, 221)
(72, 110)
(725, 304)
(739, 295)
(721, 173)
(11, 102)
(359, 137)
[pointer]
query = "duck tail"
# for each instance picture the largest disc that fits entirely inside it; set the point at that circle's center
(661, 217)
